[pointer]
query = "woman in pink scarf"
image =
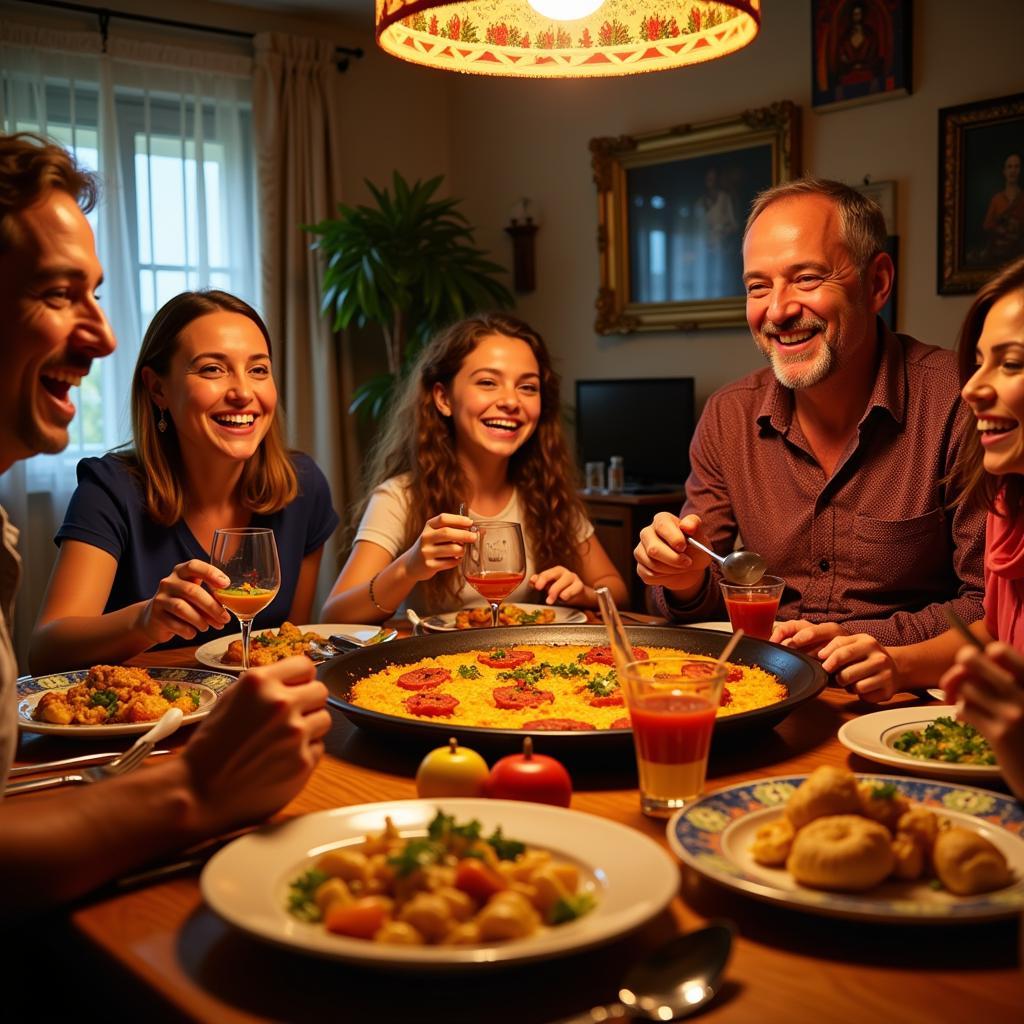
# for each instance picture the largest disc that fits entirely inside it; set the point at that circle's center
(988, 684)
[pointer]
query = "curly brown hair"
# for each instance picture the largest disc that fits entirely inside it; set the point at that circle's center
(420, 442)
(979, 488)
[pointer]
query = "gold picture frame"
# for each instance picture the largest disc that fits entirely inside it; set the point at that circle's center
(981, 208)
(672, 261)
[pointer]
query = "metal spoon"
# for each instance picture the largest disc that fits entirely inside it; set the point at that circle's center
(744, 568)
(671, 983)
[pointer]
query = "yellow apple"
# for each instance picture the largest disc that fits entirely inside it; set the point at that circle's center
(451, 771)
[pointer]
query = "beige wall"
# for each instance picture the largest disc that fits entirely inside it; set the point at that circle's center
(497, 140)
(530, 138)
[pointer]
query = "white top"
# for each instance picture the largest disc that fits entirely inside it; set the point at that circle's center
(384, 521)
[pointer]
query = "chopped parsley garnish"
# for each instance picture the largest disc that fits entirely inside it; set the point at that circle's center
(506, 849)
(526, 618)
(302, 898)
(443, 828)
(570, 907)
(469, 672)
(170, 692)
(104, 699)
(603, 685)
(883, 791)
(416, 854)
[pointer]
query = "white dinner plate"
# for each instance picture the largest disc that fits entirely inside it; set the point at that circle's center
(31, 689)
(872, 736)
(563, 617)
(630, 876)
(714, 836)
(720, 627)
(212, 652)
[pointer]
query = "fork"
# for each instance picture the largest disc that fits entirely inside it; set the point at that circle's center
(334, 645)
(127, 762)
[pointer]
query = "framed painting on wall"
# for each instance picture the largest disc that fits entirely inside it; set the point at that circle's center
(981, 207)
(862, 51)
(671, 209)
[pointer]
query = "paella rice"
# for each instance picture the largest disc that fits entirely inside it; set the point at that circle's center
(535, 686)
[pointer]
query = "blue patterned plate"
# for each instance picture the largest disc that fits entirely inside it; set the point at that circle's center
(715, 834)
(30, 688)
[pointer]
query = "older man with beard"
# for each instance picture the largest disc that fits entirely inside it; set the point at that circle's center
(834, 463)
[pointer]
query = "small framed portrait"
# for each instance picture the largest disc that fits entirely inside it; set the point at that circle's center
(862, 51)
(672, 205)
(981, 206)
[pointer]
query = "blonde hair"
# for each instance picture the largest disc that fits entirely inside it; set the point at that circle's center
(268, 479)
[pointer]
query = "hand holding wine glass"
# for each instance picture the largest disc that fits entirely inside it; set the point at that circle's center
(248, 557)
(496, 564)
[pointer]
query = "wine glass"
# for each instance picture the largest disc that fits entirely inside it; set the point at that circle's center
(248, 557)
(496, 564)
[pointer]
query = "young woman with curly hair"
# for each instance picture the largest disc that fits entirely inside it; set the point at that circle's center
(476, 425)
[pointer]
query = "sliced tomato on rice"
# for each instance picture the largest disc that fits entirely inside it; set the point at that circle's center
(423, 678)
(505, 658)
(431, 705)
(515, 698)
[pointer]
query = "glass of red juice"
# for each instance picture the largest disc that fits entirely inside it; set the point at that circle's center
(753, 609)
(672, 707)
(496, 564)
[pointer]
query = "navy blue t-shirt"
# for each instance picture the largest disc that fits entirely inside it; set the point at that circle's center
(108, 511)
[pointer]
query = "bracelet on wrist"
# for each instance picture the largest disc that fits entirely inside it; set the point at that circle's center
(373, 599)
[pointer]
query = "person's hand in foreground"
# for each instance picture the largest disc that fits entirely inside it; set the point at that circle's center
(988, 687)
(259, 745)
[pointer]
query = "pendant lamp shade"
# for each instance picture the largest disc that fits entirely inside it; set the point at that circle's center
(564, 38)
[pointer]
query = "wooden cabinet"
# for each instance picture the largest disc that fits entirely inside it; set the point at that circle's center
(618, 520)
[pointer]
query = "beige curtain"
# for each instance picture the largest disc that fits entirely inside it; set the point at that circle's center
(297, 128)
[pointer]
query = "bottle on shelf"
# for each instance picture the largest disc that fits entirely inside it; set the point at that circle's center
(616, 475)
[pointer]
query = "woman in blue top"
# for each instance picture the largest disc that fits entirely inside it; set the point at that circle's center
(209, 453)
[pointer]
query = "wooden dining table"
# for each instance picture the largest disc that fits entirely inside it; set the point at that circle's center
(167, 956)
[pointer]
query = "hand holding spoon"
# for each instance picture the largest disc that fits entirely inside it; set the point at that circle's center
(744, 568)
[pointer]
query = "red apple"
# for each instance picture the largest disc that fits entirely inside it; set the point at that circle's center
(530, 776)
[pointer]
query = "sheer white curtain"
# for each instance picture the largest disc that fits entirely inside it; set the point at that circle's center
(169, 131)
(299, 133)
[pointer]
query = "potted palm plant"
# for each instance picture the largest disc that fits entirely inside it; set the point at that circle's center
(408, 264)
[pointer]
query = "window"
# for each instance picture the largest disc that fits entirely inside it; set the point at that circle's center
(177, 212)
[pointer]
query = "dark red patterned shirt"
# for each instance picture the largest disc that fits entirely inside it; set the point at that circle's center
(875, 546)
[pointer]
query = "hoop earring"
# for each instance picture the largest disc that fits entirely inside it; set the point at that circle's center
(161, 424)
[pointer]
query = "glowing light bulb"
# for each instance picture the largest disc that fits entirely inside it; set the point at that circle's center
(565, 10)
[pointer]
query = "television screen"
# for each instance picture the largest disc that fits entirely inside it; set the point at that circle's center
(649, 422)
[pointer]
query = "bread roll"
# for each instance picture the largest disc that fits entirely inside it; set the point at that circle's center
(844, 853)
(772, 843)
(825, 791)
(967, 863)
(882, 802)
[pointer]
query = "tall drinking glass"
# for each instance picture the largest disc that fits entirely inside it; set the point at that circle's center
(248, 557)
(496, 564)
(672, 706)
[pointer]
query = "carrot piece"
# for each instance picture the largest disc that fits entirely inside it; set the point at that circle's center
(361, 920)
(474, 877)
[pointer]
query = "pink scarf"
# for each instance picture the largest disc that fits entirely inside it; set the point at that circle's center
(1004, 579)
